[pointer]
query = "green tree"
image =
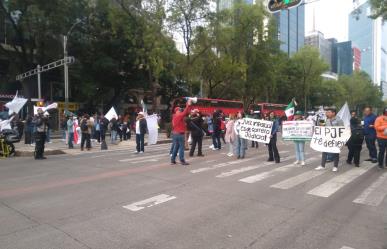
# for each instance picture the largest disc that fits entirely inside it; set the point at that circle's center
(380, 8)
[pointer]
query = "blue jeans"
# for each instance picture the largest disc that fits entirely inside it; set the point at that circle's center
(300, 147)
(382, 149)
(71, 139)
(113, 136)
(240, 147)
(140, 142)
(370, 141)
(178, 141)
(48, 135)
(216, 140)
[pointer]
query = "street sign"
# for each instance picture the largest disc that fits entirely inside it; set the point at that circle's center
(278, 5)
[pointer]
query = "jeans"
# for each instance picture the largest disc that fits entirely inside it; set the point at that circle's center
(216, 140)
(71, 139)
(86, 137)
(97, 135)
(240, 147)
(382, 149)
(178, 140)
(140, 142)
(354, 154)
(300, 148)
(335, 158)
(273, 150)
(196, 140)
(370, 141)
(48, 135)
(64, 134)
(113, 136)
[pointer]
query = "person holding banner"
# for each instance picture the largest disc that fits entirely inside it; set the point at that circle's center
(332, 120)
(300, 144)
(178, 131)
(381, 133)
(41, 122)
(195, 125)
(272, 146)
(230, 136)
(141, 128)
(240, 142)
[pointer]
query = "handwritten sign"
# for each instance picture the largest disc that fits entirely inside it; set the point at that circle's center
(329, 139)
(254, 129)
(297, 130)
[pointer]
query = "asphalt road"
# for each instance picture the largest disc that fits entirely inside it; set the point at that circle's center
(115, 199)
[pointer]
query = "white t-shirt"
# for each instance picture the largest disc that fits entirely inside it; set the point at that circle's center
(138, 127)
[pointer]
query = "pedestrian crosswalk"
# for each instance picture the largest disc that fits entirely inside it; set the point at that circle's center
(254, 171)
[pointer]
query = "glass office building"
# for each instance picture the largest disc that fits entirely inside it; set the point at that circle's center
(342, 58)
(370, 36)
(291, 29)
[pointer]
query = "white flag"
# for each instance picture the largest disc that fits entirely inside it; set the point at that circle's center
(111, 114)
(345, 115)
(16, 104)
(153, 129)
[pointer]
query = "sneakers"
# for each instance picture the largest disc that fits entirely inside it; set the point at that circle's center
(230, 154)
(184, 163)
(141, 152)
(215, 149)
(211, 146)
(302, 163)
(296, 162)
(334, 169)
(320, 168)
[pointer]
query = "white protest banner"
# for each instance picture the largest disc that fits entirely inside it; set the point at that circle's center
(297, 130)
(45, 109)
(329, 138)
(111, 114)
(254, 129)
(16, 104)
(153, 127)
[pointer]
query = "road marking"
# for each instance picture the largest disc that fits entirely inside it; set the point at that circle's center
(299, 179)
(267, 174)
(153, 201)
(333, 185)
(346, 247)
(248, 168)
(375, 193)
(226, 164)
(139, 158)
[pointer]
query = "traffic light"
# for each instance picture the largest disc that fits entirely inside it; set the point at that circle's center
(278, 5)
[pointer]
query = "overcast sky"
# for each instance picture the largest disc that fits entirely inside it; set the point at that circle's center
(331, 17)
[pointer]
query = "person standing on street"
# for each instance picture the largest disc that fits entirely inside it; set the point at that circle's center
(355, 142)
(103, 126)
(141, 128)
(381, 133)
(195, 125)
(86, 126)
(300, 145)
(70, 132)
(240, 142)
(370, 133)
(113, 130)
(178, 131)
(272, 147)
(217, 122)
(332, 120)
(41, 123)
(230, 136)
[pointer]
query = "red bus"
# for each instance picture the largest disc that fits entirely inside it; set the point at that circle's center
(266, 108)
(208, 106)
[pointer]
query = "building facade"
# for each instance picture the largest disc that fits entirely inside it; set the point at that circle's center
(342, 58)
(370, 37)
(325, 46)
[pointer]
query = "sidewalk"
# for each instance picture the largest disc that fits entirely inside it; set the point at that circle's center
(58, 147)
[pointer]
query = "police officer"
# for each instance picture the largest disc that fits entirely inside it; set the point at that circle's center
(41, 123)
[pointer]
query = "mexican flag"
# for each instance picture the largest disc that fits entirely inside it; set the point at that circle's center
(290, 109)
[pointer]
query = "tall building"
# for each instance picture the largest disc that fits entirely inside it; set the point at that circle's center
(325, 46)
(342, 58)
(370, 36)
(291, 24)
(291, 28)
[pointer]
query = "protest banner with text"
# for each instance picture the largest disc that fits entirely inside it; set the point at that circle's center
(329, 139)
(297, 130)
(254, 129)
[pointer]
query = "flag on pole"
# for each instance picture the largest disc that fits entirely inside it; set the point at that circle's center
(290, 109)
(345, 115)
(16, 104)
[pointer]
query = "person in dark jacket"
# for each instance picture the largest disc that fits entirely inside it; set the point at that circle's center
(141, 128)
(272, 147)
(195, 125)
(103, 125)
(370, 133)
(355, 143)
(216, 122)
(41, 123)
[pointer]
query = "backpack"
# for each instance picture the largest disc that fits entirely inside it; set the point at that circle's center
(84, 126)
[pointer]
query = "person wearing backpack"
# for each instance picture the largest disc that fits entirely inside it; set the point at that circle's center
(355, 142)
(86, 126)
(195, 125)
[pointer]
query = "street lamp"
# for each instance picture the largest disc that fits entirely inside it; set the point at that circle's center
(66, 68)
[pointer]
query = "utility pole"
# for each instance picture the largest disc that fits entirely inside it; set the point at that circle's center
(66, 73)
(39, 83)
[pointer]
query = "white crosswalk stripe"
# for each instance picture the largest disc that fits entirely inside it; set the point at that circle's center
(271, 173)
(374, 194)
(336, 183)
(346, 247)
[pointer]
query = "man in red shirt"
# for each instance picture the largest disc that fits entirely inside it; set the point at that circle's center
(178, 131)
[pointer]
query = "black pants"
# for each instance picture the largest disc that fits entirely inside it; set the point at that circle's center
(103, 135)
(140, 142)
(124, 134)
(85, 138)
(370, 141)
(354, 153)
(40, 139)
(273, 150)
(334, 156)
(97, 136)
(254, 144)
(196, 140)
(216, 140)
(382, 149)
